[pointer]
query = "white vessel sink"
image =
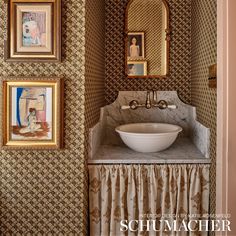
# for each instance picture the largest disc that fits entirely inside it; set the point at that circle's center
(148, 137)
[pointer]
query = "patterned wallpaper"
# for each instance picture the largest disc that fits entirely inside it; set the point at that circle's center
(204, 49)
(180, 52)
(44, 192)
(94, 63)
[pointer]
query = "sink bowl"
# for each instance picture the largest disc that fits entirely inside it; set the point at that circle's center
(148, 137)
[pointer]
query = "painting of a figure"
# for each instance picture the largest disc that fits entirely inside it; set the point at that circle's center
(31, 113)
(34, 29)
(137, 68)
(135, 45)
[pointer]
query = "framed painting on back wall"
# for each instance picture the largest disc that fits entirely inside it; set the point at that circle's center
(32, 114)
(34, 31)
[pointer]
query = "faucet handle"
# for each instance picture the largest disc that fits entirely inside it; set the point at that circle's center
(162, 104)
(172, 106)
(154, 97)
(134, 105)
(125, 107)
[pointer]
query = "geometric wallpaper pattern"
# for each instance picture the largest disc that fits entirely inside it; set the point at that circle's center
(94, 63)
(180, 52)
(43, 192)
(204, 50)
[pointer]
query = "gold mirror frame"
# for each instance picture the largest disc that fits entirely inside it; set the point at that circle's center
(167, 38)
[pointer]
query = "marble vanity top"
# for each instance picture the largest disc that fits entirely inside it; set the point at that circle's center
(105, 145)
(182, 151)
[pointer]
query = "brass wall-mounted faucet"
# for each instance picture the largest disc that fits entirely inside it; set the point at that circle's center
(162, 104)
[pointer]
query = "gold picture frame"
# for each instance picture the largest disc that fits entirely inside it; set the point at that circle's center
(136, 68)
(34, 31)
(32, 113)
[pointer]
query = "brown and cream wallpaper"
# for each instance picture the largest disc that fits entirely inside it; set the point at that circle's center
(180, 52)
(94, 62)
(204, 49)
(44, 192)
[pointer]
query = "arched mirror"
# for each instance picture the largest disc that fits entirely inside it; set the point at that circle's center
(147, 39)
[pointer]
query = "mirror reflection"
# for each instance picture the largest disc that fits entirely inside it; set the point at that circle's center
(147, 40)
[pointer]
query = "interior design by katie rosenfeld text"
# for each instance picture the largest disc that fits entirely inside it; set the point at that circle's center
(173, 225)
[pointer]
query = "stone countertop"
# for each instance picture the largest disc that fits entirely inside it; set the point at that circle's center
(182, 151)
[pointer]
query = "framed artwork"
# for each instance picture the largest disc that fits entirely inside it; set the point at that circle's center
(137, 68)
(135, 45)
(32, 113)
(34, 31)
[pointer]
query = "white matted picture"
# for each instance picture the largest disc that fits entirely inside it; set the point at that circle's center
(32, 113)
(135, 45)
(137, 68)
(34, 30)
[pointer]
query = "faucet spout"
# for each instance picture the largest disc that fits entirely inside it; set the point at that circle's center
(148, 100)
(154, 97)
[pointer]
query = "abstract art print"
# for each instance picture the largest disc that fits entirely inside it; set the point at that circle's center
(32, 113)
(34, 31)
